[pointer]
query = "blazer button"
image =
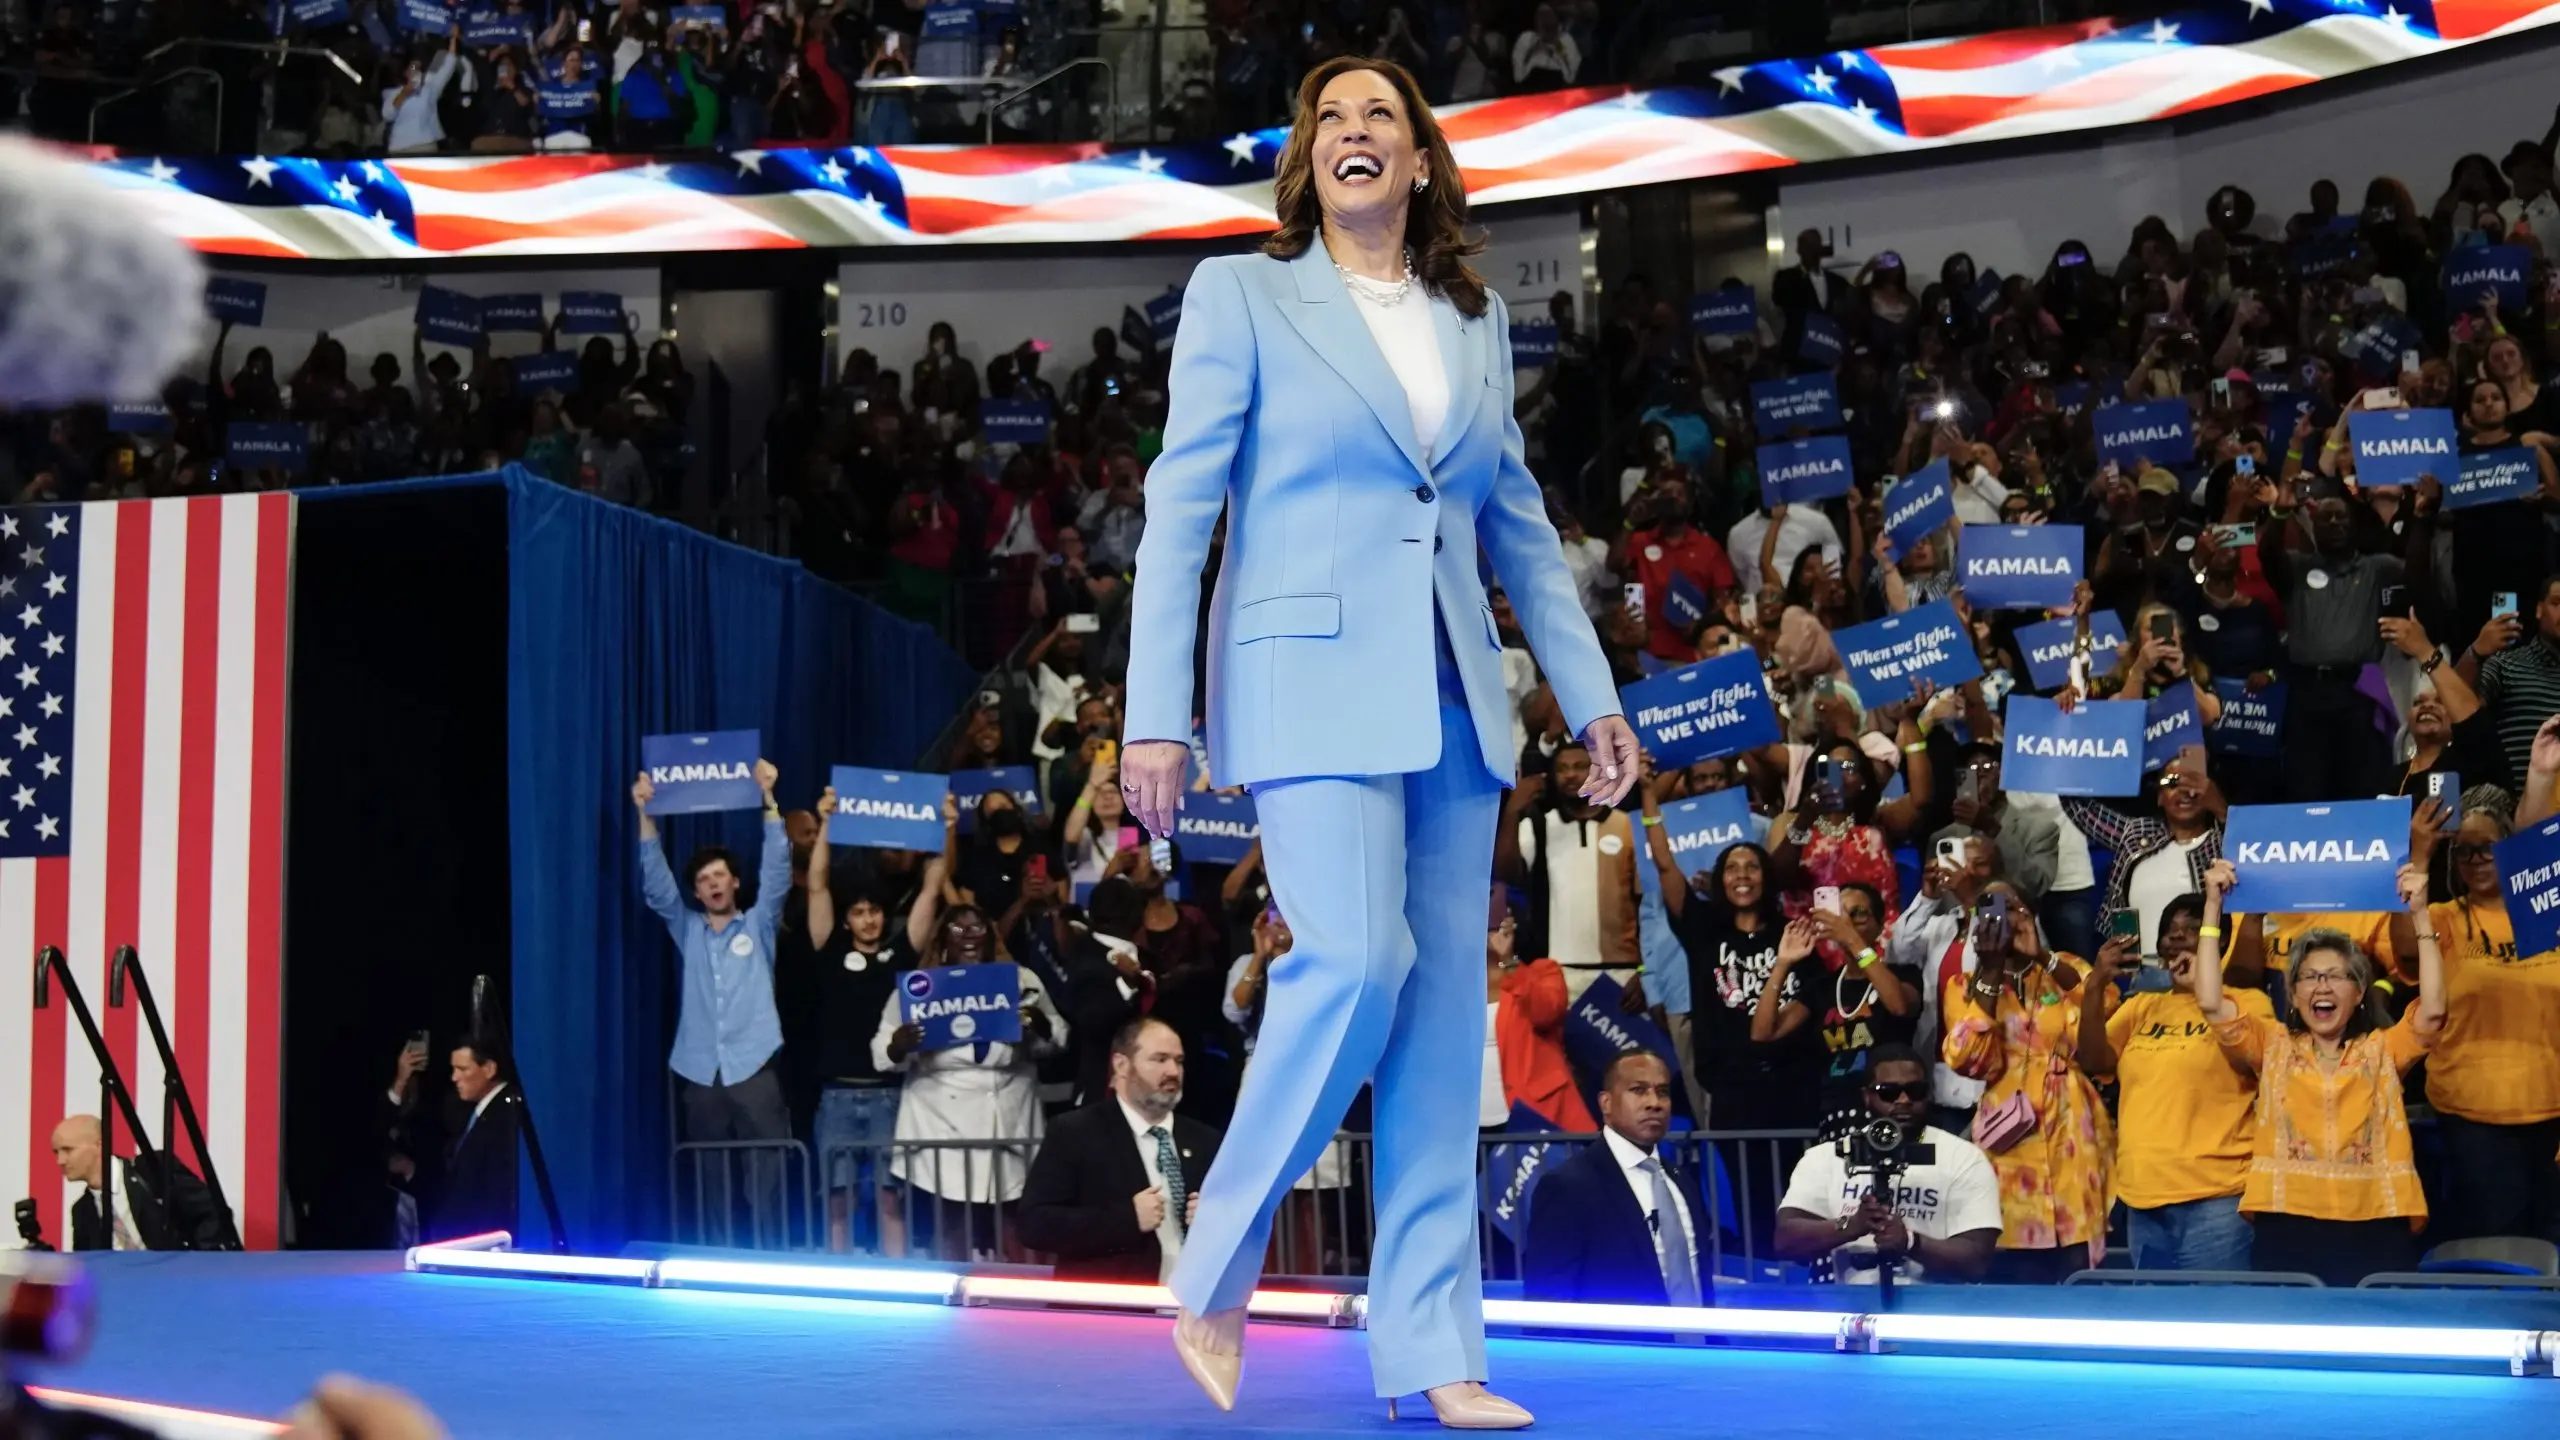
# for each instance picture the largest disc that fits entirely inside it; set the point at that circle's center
(1425, 494)
(1435, 544)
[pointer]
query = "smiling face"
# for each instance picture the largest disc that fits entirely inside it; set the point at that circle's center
(2327, 990)
(1365, 154)
(2475, 854)
(1743, 878)
(965, 937)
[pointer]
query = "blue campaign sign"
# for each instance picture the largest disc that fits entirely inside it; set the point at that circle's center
(2377, 347)
(1821, 344)
(970, 786)
(2529, 872)
(280, 445)
(1919, 505)
(311, 14)
(1595, 1033)
(2018, 567)
(887, 809)
(1533, 345)
(2155, 432)
(242, 302)
(2475, 270)
(1511, 1172)
(2340, 855)
(1986, 291)
(1799, 402)
(2094, 748)
(545, 370)
(150, 418)
(1799, 472)
(1702, 827)
(590, 312)
(448, 316)
(963, 1004)
(561, 100)
(2173, 722)
(1683, 601)
(488, 29)
(2046, 647)
(702, 772)
(2252, 721)
(2071, 397)
(2324, 253)
(2395, 447)
(1733, 311)
(1013, 422)
(1215, 829)
(426, 17)
(1926, 642)
(951, 20)
(707, 17)
(1697, 712)
(511, 312)
(1164, 314)
(2490, 476)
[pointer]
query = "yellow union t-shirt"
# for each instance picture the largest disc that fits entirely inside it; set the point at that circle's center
(2368, 928)
(2186, 1125)
(2497, 1061)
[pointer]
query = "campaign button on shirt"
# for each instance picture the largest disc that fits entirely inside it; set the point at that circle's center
(1611, 844)
(856, 961)
(2186, 543)
(1653, 552)
(2317, 579)
(742, 945)
(2208, 624)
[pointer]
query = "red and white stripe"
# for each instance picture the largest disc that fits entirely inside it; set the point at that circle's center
(177, 847)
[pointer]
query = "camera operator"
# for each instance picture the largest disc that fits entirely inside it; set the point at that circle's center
(1943, 1220)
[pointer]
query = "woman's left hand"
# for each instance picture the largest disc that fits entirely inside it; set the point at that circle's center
(2413, 888)
(1614, 760)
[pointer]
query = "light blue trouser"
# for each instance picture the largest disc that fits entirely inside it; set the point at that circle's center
(1382, 880)
(2207, 1234)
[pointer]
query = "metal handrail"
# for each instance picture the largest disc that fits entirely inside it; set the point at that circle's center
(155, 82)
(1110, 88)
(279, 49)
(994, 88)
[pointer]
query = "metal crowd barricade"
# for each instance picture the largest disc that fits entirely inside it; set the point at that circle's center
(744, 1194)
(953, 1200)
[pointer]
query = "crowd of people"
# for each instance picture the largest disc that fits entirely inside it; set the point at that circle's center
(2124, 1057)
(428, 76)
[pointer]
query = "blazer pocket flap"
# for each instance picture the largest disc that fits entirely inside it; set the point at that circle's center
(1316, 615)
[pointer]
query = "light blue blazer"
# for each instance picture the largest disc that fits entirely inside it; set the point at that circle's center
(1340, 540)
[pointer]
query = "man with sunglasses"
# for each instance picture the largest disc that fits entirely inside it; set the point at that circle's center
(1942, 1221)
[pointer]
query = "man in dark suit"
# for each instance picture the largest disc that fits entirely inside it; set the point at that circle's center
(1116, 1184)
(1614, 1224)
(160, 1204)
(475, 1190)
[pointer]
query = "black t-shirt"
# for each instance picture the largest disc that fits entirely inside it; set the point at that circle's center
(1773, 1086)
(854, 987)
(1852, 1023)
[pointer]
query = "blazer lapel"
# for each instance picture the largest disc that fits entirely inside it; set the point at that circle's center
(1462, 360)
(1329, 320)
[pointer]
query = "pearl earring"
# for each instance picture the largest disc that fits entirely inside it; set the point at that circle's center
(1422, 184)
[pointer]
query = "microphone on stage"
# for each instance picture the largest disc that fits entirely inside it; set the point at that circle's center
(44, 977)
(115, 977)
(97, 303)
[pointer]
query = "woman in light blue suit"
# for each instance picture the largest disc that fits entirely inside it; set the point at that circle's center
(1345, 398)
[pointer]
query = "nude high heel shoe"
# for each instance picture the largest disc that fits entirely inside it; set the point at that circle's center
(1215, 1374)
(1469, 1406)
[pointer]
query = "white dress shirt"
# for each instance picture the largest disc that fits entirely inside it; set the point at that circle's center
(1168, 1234)
(1631, 1164)
(1410, 341)
(125, 1238)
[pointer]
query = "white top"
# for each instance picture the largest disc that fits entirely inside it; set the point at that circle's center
(1631, 1164)
(1977, 496)
(2072, 871)
(1955, 1194)
(1168, 1234)
(1492, 1107)
(1572, 850)
(2159, 879)
(1805, 527)
(1408, 337)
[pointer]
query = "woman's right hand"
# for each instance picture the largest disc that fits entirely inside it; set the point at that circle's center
(2219, 877)
(904, 1041)
(1151, 781)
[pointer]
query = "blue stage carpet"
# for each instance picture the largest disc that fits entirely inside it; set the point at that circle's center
(505, 1358)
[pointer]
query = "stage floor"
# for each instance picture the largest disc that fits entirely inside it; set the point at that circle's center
(513, 1358)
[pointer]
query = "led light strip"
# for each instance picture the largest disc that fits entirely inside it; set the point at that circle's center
(2524, 1351)
(175, 1421)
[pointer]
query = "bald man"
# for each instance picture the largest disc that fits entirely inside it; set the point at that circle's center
(160, 1205)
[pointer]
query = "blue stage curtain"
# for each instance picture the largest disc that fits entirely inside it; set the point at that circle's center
(619, 625)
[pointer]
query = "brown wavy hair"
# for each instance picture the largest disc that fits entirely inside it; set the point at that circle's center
(1435, 222)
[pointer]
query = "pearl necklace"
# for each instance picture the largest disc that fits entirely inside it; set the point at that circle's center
(1378, 292)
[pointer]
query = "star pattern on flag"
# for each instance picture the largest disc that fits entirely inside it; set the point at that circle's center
(36, 691)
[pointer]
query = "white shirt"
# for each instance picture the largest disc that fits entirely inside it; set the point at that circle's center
(1805, 527)
(1977, 496)
(414, 122)
(1168, 1234)
(1410, 340)
(1920, 937)
(1492, 1106)
(1116, 948)
(124, 1238)
(1631, 1164)
(1571, 849)
(1588, 560)
(2072, 871)
(2159, 879)
(1956, 1193)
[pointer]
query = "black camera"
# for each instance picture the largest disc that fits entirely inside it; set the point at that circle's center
(30, 1229)
(1881, 1148)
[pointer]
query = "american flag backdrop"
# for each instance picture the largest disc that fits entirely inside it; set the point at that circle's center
(1890, 100)
(142, 725)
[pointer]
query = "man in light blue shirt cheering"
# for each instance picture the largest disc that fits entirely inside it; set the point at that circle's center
(727, 1033)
